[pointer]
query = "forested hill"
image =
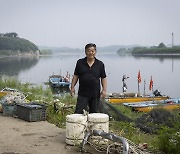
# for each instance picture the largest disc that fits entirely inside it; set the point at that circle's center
(11, 43)
(161, 49)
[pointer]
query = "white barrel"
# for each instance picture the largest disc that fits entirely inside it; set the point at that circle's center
(98, 121)
(76, 125)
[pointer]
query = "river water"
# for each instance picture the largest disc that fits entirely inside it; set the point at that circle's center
(164, 70)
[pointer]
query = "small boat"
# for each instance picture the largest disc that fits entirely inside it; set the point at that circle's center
(169, 104)
(57, 81)
(132, 97)
(120, 100)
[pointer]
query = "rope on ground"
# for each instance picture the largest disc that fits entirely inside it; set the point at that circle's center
(135, 148)
(117, 148)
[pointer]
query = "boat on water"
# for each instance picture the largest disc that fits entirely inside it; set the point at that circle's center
(147, 106)
(132, 97)
(58, 81)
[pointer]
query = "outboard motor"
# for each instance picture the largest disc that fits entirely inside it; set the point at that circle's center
(157, 93)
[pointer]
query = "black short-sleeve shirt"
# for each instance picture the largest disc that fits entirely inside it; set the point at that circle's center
(89, 77)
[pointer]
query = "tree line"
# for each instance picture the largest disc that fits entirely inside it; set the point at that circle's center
(11, 43)
(160, 49)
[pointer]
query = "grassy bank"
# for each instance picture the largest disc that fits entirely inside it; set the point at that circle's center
(163, 133)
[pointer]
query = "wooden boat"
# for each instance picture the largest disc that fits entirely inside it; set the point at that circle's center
(169, 104)
(132, 97)
(57, 81)
(135, 99)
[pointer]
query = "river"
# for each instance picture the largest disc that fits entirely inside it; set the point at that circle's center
(164, 70)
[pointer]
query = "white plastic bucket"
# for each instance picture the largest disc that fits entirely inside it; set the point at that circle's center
(76, 125)
(98, 121)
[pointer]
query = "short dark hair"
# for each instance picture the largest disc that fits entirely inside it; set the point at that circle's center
(90, 45)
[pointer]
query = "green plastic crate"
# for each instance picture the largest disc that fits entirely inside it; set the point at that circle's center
(8, 109)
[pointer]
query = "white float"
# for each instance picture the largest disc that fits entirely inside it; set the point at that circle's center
(98, 121)
(76, 125)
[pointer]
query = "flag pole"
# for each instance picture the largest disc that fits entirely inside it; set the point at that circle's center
(152, 93)
(144, 87)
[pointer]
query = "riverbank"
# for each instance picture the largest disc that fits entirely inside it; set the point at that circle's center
(16, 133)
(21, 137)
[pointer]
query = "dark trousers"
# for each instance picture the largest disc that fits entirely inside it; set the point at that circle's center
(85, 102)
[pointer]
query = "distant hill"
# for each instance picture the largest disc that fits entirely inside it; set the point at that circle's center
(107, 49)
(56, 50)
(11, 44)
(115, 48)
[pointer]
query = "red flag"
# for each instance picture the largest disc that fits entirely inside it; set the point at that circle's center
(139, 77)
(151, 84)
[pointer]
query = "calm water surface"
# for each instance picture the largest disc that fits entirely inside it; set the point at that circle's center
(165, 71)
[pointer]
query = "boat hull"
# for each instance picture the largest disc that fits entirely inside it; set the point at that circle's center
(120, 100)
(169, 104)
(149, 108)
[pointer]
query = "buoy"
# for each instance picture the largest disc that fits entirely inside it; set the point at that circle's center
(98, 121)
(76, 125)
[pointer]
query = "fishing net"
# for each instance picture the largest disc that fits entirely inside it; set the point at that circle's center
(113, 113)
(152, 121)
(149, 123)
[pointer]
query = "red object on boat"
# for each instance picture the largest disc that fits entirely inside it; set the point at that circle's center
(139, 77)
(151, 84)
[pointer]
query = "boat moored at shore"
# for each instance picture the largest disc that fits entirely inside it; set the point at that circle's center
(133, 97)
(58, 81)
(147, 106)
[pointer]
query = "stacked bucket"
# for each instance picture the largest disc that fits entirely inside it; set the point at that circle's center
(78, 124)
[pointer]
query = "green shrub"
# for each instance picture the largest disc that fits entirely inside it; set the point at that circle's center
(169, 138)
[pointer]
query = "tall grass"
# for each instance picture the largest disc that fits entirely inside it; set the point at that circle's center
(30, 91)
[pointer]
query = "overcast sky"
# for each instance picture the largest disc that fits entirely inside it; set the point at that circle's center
(74, 23)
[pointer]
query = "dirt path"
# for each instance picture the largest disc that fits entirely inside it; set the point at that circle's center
(20, 137)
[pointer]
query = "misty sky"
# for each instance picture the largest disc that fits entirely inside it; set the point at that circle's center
(74, 23)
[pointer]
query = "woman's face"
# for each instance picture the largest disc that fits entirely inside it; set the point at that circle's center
(91, 52)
